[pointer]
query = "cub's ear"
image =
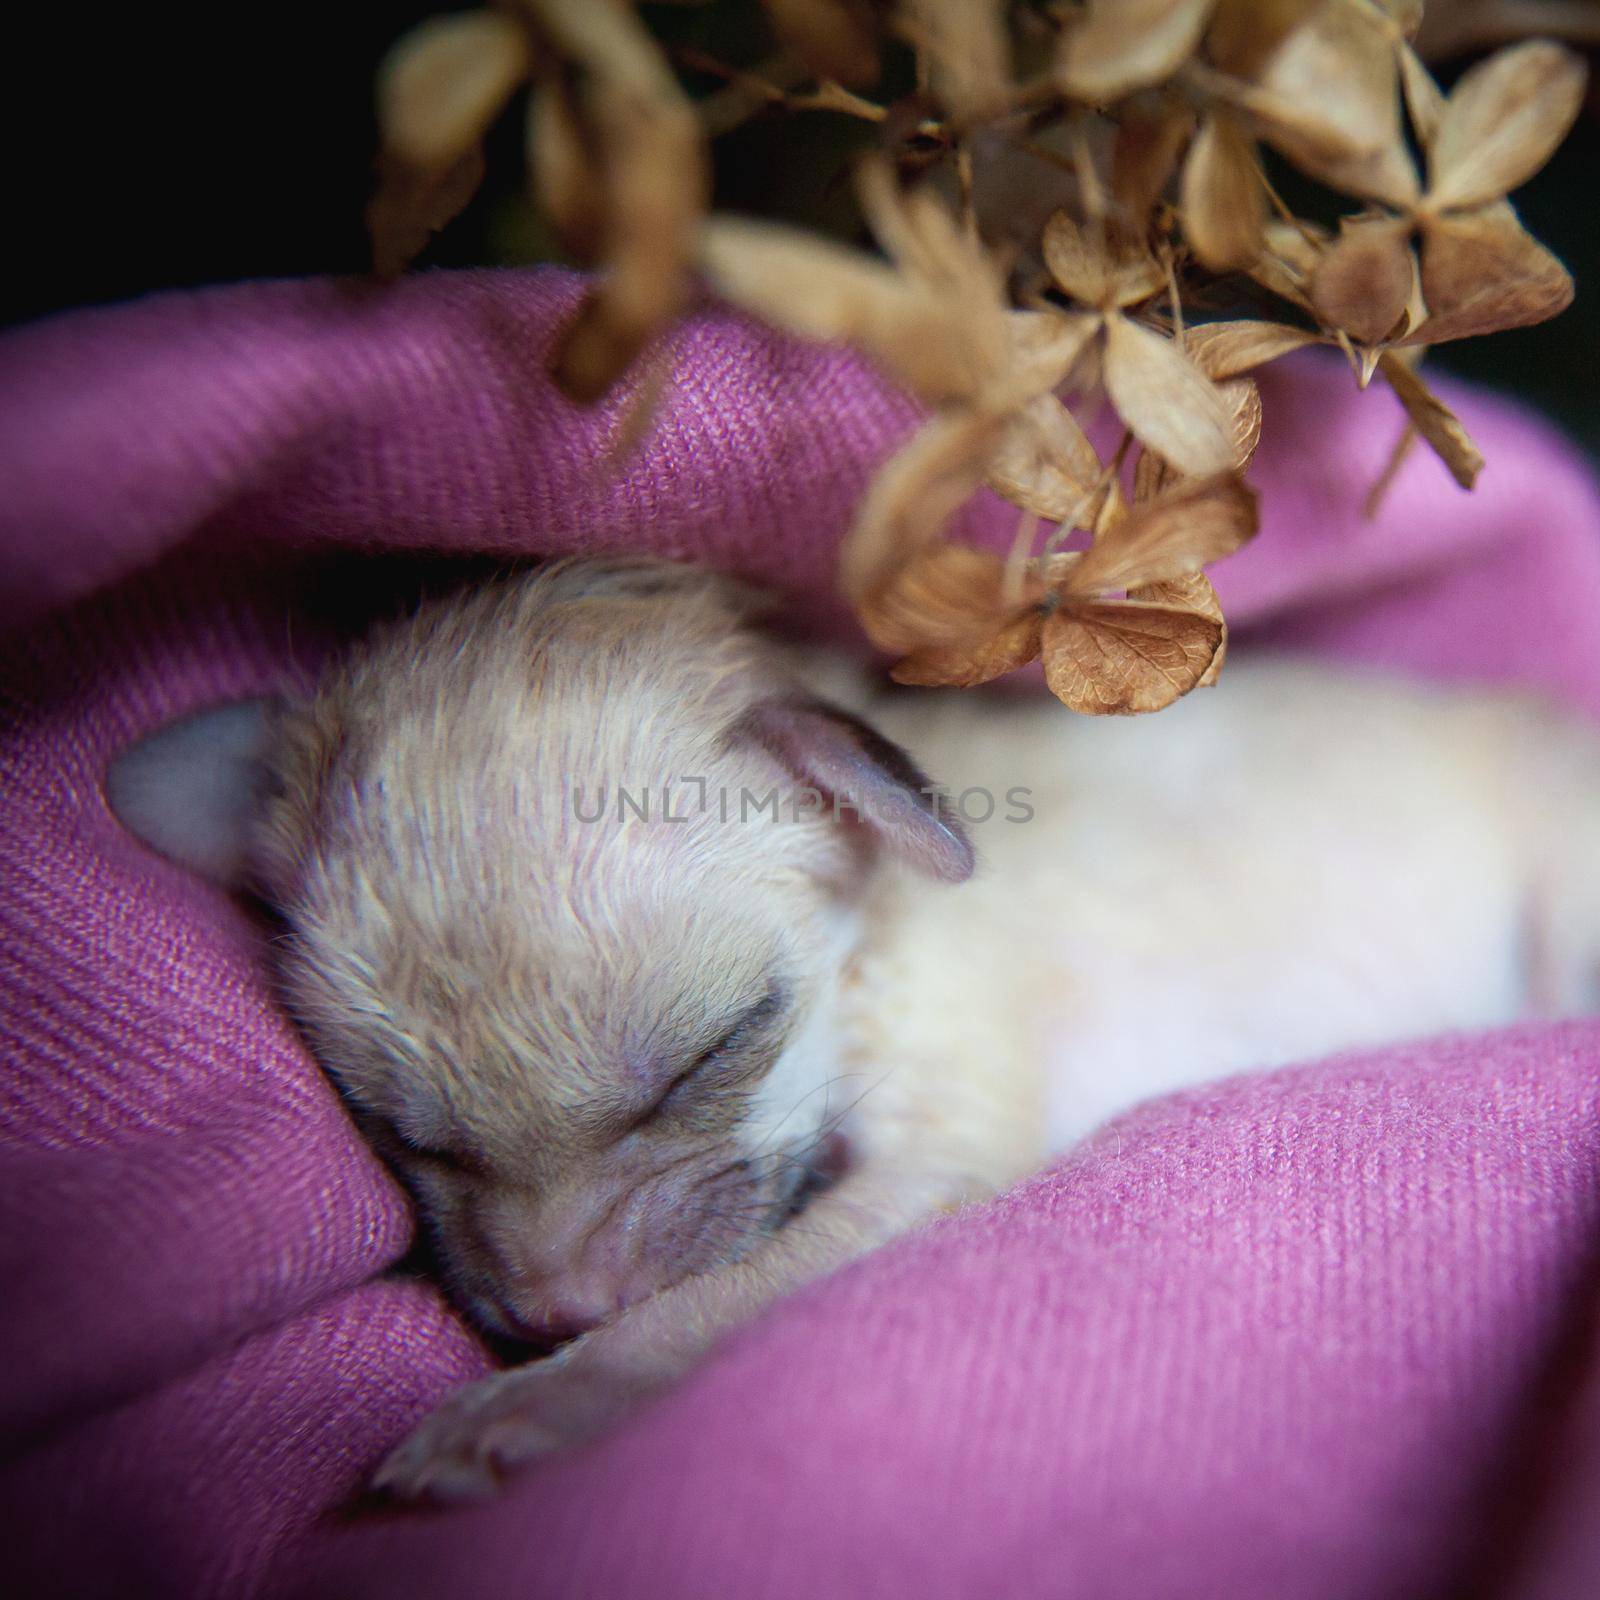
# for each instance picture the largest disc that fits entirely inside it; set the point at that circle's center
(191, 790)
(866, 778)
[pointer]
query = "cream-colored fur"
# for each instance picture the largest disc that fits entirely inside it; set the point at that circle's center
(1297, 861)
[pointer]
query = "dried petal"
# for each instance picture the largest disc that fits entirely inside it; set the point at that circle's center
(946, 594)
(1364, 281)
(1013, 188)
(918, 232)
(1244, 33)
(1193, 593)
(650, 149)
(1045, 347)
(1388, 175)
(1044, 462)
(1122, 657)
(438, 90)
(1502, 121)
(1096, 271)
(968, 55)
(1150, 476)
(1424, 99)
(410, 206)
(442, 85)
(831, 38)
(1298, 244)
(1014, 644)
(1223, 202)
(1244, 415)
(824, 291)
(1328, 99)
(566, 177)
(1457, 27)
(1144, 156)
(1225, 349)
(1286, 264)
(1168, 403)
(1195, 522)
(1335, 76)
(1113, 510)
(908, 503)
(1482, 272)
(1407, 15)
(1121, 45)
(1434, 420)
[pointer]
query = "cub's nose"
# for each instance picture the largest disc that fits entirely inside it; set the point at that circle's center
(554, 1318)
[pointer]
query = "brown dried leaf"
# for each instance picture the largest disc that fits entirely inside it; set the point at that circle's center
(1195, 522)
(1165, 400)
(1225, 349)
(1122, 45)
(1483, 272)
(1096, 271)
(566, 178)
(967, 51)
(1502, 121)
(1193, 593)
(1013, 644)
(1363, 283)
(1434, 420)
(1224, 206)
(824, 291)
(1044, 462)
(908, 503)
(1124, 657)
(442, 85)
(831, 38)
(1144, 155)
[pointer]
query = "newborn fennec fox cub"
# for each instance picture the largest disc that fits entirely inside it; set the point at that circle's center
(650, 1047)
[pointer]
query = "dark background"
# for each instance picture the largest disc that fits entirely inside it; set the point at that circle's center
(155, 148)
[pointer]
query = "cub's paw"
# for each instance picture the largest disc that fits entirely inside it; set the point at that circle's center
(466, 1448)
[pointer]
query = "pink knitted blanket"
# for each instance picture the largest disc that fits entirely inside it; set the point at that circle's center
(1324, 1333)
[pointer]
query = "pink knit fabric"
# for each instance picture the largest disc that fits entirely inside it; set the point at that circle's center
(1324, 1333)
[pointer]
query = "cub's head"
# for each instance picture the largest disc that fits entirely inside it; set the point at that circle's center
(569, 867)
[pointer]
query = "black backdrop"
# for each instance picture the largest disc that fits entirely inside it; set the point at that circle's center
(157, 147)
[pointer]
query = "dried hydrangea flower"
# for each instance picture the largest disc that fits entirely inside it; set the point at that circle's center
(1072, 203)
(1127, 626)
(1480, 270)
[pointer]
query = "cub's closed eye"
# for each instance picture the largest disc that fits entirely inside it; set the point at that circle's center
(389, 1138)
(452, 1159)
(746, 1029)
